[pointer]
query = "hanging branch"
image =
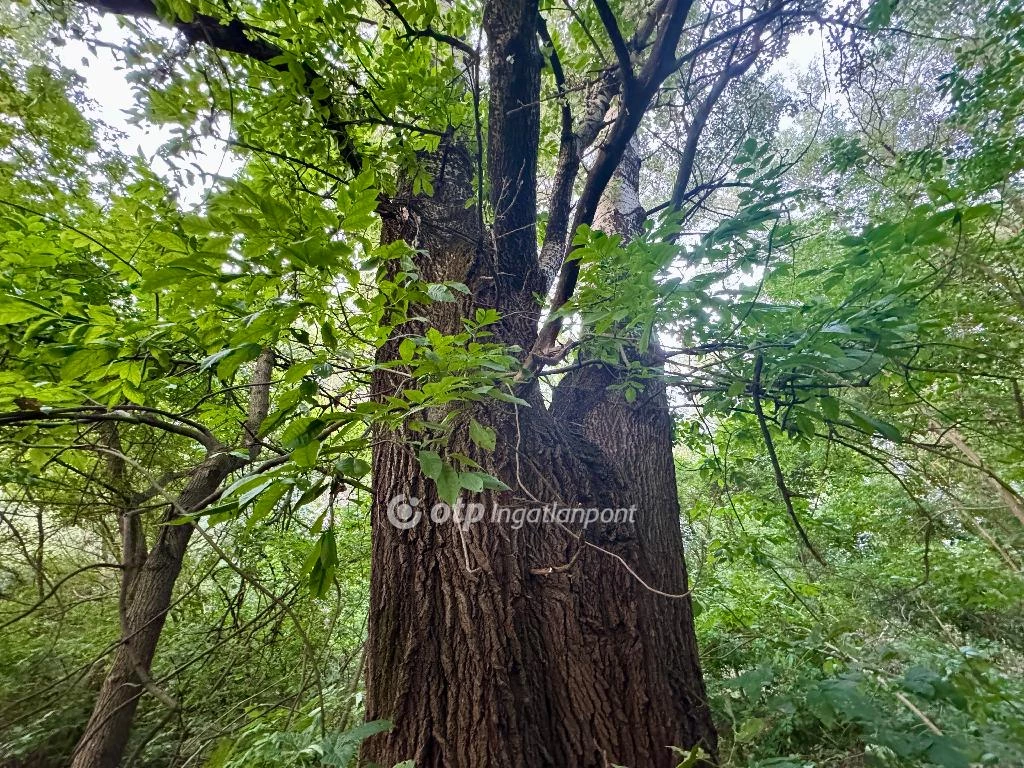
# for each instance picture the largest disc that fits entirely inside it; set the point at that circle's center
(780, 479)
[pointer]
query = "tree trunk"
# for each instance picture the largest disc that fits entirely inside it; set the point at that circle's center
(147, 586)
(145, 601)
(637, 438)
(497, 646)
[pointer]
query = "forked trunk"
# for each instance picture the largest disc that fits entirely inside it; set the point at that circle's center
(511, 646)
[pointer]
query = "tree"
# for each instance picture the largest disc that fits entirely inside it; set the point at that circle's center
(550, 644)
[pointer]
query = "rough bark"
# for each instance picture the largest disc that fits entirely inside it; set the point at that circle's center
(501, 647)
(637, 438)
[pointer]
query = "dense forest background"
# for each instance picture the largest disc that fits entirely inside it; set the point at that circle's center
(835, 292)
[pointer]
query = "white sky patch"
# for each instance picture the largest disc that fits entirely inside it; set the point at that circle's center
(113, 98)
(804, 50)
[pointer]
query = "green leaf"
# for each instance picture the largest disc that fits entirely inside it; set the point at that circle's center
(310, 495)
(266, 503)
(439, 292)
(305, 455)
(166, 239)
(252, 493)
(243, 484)
(82, 362)
(431, 464)
(322, 568)
(17, 310)
(872, 424)
(830, 407)
(352, 467)
(448, 485)
(133, 393)
(328, 335)
(491, 482)
(485, 437)
(750, 729)
(230, 363)
(471, 481)
(407, 350)
(300, 432)
(752, 681)
(921, 680)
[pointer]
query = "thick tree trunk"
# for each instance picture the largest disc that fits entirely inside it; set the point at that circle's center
(496, 646)
(637, 439)
(147, 586)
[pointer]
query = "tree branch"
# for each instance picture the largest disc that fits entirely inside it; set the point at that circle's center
(441, 37)
(661, 63)
(780, 479)
(235, 36)
(730, 73)
(611, 26)
(125, 414)
(259, 401)
(570, 156)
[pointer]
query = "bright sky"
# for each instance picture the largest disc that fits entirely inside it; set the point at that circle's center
(113, 97)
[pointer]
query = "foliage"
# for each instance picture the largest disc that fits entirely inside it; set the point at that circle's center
(864, 661)
(836, 310)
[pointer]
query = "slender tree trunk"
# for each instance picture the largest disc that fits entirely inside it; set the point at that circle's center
(146, 590)
(145, 603)
(496, 646)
